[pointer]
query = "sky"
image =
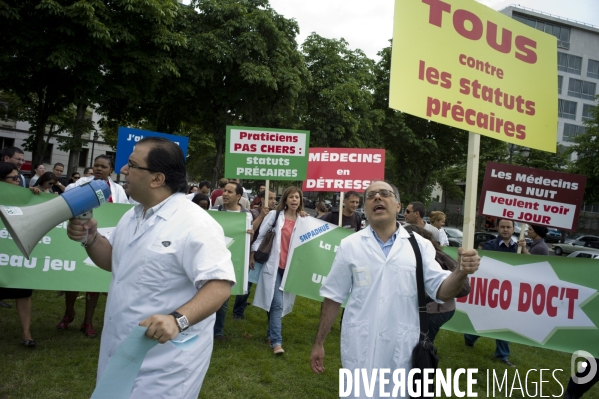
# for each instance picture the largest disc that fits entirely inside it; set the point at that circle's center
(368, 24)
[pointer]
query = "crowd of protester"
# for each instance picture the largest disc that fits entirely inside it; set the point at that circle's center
(261, 212)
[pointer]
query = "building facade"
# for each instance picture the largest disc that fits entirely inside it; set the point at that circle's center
(14, 133)
(577, 70)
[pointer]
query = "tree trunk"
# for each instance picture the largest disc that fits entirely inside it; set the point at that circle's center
(217, 170)
(39, 144)
(78, 130)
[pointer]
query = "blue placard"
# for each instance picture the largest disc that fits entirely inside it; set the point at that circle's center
(128, 137)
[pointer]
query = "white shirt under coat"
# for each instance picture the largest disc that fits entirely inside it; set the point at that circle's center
(116, 191)
(158, 264)
(265, 289)
(380, 323)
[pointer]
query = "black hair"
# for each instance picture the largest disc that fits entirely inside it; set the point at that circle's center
(418, 207)
(205, 183)
(86, 169)
(540, 230)
(48, 176)
(106, 157)
(6, 169)
(351, 194)
(58, 164)
(238, 188)
(167, 158)
(10, 152)
(75, 173)
(509, 220)
(200, 197)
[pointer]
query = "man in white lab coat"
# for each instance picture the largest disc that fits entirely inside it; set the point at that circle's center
(381, 324)
(170, 268)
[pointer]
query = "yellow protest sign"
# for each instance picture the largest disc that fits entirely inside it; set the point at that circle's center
(463, 64)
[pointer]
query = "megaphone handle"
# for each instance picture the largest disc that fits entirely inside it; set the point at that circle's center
(85, 217)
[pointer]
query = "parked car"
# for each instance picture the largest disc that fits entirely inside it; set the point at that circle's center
(401, 217)
(588, 254)
(481, 237)
(360, 212)
(574, 244)
(328, 204)
(553, 235)
(592, 244)
(454, 236)
(308, 203)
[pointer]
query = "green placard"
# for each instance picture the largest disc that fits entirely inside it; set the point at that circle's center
(57, 263)
(313, 248)
(266, 154)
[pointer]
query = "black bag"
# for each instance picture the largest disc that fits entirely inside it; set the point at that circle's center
(424, 355)
(263, 252)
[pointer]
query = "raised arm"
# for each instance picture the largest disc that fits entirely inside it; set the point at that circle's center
(98, 248)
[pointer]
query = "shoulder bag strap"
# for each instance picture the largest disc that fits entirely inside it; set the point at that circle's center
(276, 219)
(420, 284)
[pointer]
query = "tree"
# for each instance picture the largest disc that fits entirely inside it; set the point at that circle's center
(419, 151)
(557, 161)
(337, 103)
(586, 148)
(80, 53)
(241, 66)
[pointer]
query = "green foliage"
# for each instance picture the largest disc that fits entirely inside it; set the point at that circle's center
(419, 151)
(80, 52)
(544, 160)
(337, 103)
(586, 148)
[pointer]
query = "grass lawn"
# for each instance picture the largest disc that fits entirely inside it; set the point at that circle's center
(64, 363)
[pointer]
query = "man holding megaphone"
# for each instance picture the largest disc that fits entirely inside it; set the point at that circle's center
(170, 268)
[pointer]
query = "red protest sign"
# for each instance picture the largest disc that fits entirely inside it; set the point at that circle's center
(529, 195)
(343, 169)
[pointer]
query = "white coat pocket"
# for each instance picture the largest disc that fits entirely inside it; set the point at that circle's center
(159, 258)
(361, 276)
(354, 344)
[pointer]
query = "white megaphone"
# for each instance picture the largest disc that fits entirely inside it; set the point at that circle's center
(28, 224)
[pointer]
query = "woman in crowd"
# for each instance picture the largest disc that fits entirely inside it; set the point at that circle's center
(438, 220)
(74, 177)
(10, 174)
(268, 295)
(202, 200)
(192, 189)
(321, 210)
(40, 169)
(439, 313)
(102, 169)
(45, 182)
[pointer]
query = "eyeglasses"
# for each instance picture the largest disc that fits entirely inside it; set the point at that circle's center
(76, 177)
(131, 166)
(408, 211)
(383, 193)
(14, 178)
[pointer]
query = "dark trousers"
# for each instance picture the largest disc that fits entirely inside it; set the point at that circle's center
(241, 302)
(435, 321)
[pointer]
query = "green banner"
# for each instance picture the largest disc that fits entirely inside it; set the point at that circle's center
(266, 154)
(57, 263)
(313, 248)
(544, 301)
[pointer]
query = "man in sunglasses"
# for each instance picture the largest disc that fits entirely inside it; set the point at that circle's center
(378, 265)
(16, 156)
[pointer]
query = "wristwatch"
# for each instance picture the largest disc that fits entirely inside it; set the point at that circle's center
(181, 320)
